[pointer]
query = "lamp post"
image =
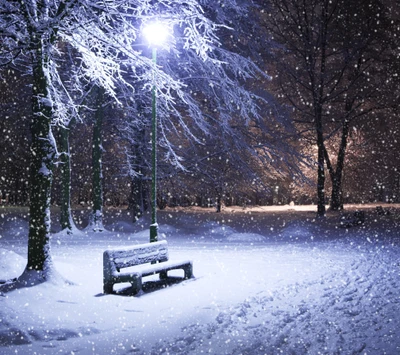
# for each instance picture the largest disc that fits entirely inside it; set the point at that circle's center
(155, 34)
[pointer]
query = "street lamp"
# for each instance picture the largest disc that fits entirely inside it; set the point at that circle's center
(156, 33)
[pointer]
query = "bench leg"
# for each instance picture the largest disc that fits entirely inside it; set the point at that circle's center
(107, 287)
(163, 275)
(136, 284)
(188, 271)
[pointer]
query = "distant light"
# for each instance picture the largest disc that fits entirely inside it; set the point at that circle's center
(156, 33)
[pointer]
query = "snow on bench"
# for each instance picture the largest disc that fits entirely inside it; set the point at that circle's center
(142, 260)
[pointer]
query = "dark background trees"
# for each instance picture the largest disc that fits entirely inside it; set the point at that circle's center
(15, 137)
(220, 169)
(333, 66)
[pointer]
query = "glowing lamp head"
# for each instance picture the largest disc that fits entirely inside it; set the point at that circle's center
(156, 33)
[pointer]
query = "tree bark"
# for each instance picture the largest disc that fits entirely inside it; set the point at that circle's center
(318, 91)
(138, 201)
(66, 220)
(218, 204)
(321, 175)
(43, 152)
(337, 177)
(96, 219)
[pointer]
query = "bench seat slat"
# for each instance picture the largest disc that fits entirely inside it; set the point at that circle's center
(150, 269)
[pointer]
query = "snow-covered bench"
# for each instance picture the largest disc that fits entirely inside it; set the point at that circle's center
(140, 261)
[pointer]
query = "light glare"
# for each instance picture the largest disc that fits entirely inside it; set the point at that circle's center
(156, 33)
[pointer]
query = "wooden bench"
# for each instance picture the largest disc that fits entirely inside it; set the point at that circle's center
(140, 261)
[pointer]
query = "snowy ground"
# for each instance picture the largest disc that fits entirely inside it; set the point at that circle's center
(267, 281)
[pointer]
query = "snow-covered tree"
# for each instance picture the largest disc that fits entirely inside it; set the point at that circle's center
(33, 34)
(222, 103)
(68, 67)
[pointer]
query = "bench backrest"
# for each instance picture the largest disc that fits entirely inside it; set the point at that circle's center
(136, 255)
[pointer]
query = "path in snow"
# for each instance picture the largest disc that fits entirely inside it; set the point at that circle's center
(337, 313)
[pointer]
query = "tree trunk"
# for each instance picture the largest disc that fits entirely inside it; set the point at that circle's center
(138, 201)
(318, 100)
(43, 152)
(96, 219)
(337, 196)
(336, 203)
(66, 220)
(218, 203)
(321, 176)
